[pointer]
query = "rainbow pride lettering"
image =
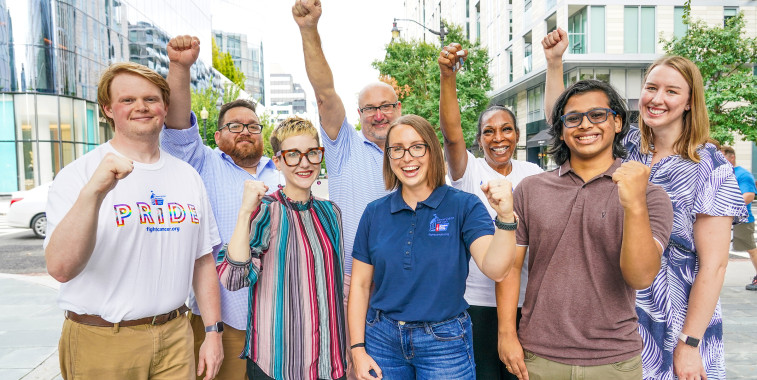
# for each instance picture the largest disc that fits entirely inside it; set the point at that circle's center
(176, 212)
(122, 212)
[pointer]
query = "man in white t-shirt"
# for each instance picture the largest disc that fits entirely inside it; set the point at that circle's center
(130, 231)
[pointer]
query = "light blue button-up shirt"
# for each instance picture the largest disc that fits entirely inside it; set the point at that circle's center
(355, 169)
(224, 181)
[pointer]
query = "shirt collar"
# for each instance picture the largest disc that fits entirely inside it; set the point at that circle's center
(368, 142)
(397, 203)
(565, 168)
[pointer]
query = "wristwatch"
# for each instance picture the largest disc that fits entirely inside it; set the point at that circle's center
(691, 341)
(506, 226)
(217, 327)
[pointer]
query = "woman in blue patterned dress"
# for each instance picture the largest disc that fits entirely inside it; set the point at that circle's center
(680, 319)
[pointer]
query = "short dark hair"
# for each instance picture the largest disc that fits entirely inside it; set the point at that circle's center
(496, 108)
(234, 104)
(727, 150)
(559, 150)
(437, 169)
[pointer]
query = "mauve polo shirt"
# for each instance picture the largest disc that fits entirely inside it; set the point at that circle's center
(420, 257)
(578, 308)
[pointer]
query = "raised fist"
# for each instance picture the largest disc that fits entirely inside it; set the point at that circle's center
(183, 50)
(306, 13)
(499, 192)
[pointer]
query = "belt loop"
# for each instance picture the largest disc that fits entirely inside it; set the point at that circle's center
(153, 321)
(115, 328)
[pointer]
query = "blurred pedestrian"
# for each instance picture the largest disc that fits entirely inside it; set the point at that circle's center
(743, 234)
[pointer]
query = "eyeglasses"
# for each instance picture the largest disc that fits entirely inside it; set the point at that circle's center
(293, 157)
(385, 108)
(595, 116)
(253, 128)
(397, 152)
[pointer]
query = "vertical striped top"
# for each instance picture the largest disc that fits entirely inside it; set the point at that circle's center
(296, 327)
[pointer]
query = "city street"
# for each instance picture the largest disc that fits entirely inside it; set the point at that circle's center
(30, 321)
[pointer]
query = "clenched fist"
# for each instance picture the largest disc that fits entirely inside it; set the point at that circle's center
(555, 43)
(183, 50)
(254, 191)
(632, 178)
(112, 169)
(451, 58)
(499, 192)
(306, 13)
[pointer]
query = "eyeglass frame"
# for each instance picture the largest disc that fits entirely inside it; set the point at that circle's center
(586, 115)
(244, 126)
(281, 154)
(406, 151)
(373, 109)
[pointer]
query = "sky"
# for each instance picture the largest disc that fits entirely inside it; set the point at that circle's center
(353, 34)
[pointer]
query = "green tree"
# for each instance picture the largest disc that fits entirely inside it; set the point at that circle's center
(411, 68)
(208, 97)
(725, 58)
(225, 65)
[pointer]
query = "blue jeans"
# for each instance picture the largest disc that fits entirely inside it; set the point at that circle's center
(421, 350)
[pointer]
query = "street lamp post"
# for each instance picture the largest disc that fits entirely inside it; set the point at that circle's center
(204, 117)
(441, 33)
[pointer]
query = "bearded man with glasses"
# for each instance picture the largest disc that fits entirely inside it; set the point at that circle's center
(238, 157)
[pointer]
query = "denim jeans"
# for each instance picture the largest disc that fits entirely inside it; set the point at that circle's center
(421, 350)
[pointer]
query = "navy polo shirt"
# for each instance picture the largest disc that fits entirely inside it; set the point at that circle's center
(420, 257)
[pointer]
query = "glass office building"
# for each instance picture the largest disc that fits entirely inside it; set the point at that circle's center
(52, 53)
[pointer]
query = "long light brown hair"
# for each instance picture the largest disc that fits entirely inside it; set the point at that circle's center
(696, 121)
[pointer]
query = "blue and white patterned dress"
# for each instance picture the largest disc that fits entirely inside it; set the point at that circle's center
(708, 187)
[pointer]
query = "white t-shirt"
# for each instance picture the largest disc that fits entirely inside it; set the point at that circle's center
(151, 228)
(479, 289)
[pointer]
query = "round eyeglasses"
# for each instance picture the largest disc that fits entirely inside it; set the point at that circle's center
(293, 157)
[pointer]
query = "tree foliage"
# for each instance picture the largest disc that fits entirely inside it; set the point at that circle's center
(411, 68)
(207, 98)
(225, 65)
(725, 58)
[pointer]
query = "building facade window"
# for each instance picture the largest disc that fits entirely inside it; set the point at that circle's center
(527, 5)
(679, 28)
(639, 30)
(586, 30)
(510, 65)
(729, 13)
(535, 101)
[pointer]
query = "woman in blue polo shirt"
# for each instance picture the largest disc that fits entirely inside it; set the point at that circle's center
(413, 247)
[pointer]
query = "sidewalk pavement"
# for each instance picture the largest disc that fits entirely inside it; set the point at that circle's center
(30, 324)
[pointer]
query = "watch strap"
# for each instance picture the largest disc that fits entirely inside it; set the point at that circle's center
(216, 327)
(691, 341)
(506, 226)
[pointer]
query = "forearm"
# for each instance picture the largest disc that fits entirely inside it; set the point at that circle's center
(205, 284)
(357, 309)
(180, 104)
(554, 85)
(500, 255)
(73, 240)
(639, 254)
(451, 127)
(239, 244)
(506, 293)
(322, 79)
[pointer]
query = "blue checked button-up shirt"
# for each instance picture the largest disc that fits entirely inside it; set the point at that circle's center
(224, 181)
(356, 178)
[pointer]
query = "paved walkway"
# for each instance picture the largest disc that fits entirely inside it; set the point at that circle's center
(30, 324)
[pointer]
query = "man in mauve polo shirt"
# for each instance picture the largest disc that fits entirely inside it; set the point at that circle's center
(595, 230)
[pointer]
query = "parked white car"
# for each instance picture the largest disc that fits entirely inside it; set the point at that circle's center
(27, 209)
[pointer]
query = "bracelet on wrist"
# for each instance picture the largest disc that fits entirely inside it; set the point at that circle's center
(356, 345)
(506, 226)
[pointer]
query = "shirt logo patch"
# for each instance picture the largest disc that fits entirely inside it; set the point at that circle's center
(438, 224)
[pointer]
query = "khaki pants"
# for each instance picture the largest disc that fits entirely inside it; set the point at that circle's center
(232, 367)
(544, 369)
(129, 353)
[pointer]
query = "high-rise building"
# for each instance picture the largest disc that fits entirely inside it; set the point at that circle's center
(287, 97)
(248, 57)
(52, 53)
